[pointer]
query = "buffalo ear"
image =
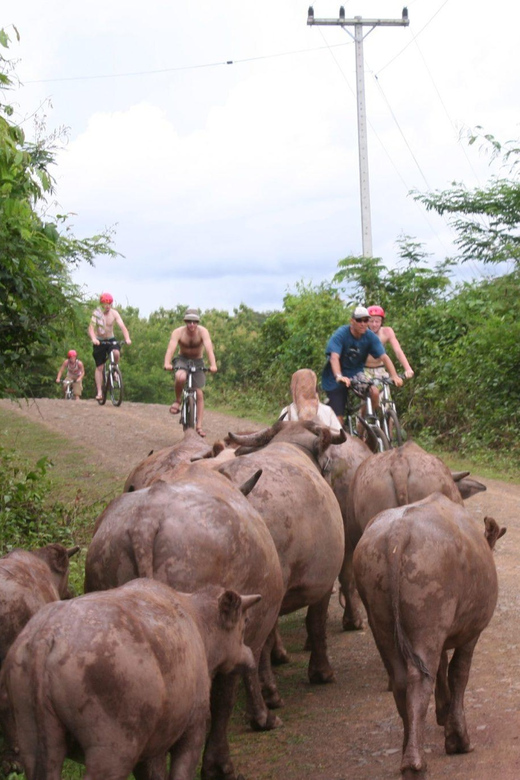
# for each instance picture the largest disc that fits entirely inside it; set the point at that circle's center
(56, 557)
(493, 532)
(229, 609)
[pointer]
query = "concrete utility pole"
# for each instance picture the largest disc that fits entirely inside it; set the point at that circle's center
(358, 23)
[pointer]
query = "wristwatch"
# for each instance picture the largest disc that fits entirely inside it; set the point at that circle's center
(338, 377)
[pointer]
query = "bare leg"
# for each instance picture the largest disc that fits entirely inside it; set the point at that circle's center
(180, 379)
(200, 409)
(98, 376)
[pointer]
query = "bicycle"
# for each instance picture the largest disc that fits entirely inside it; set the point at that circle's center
(389, 418)
(112, 379)
(68, 393)
(373, 432)
(188, 418)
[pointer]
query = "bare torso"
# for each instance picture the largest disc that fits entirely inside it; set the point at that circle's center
(384, 336)
(191, 344)
(104, 323)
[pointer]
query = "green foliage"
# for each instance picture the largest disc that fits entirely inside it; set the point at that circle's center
(38, 302)
(27, 517)
(486, 219)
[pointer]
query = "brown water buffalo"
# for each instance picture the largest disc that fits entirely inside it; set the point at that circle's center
(390, 479)
(166, 459)
(427, 578)
(29, 579)
(304, 519)
(124, 677)
(197, 530)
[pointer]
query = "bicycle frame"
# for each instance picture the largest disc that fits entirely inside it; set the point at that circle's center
(112, 380)
(188, 418)
(67, 389)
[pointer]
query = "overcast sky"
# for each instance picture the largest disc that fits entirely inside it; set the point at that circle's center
(228, 183)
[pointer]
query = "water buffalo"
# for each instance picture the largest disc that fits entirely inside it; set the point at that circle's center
(198, 530)
(304, 519)
(29, 579)
(390, 479)
(166, 459)
(121, 678)
(427, 578)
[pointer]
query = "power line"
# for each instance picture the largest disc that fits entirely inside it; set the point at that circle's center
(183, 67)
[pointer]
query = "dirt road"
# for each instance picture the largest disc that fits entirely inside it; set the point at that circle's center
(349, 729)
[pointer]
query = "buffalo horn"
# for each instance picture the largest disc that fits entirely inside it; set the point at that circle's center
(249, 484)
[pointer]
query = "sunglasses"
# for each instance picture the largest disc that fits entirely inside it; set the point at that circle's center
(362, 319)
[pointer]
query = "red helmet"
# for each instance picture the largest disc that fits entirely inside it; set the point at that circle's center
(376, 311)
(106, 298)
(72, 353)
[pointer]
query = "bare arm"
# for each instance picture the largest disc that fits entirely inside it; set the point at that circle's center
(336, 369)
(60, 372)
(172, 346)
(394, 343)
(391, 370)
(124, 329)
(208, 346)
(92, 334)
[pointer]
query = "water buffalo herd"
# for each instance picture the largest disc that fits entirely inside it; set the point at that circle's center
(187, 574)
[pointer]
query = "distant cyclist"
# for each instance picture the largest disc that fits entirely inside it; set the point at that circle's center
(387, 336)
(192, 339)
(75, 371)
(101, 332)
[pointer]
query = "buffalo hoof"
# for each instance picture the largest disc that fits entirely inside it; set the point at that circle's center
(413, 774)
(279, 656)
(352, 624)
(271, 722)
(273, 700)
(317, 677)
(456, 744)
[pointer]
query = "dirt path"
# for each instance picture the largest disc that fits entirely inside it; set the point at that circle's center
(349, 729)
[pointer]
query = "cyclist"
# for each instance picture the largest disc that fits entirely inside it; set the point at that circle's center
(374, 367)
(101, 332)
(192, 339)
(347, 351)
(75, 373)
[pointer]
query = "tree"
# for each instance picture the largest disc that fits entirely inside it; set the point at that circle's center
(486, 219)
(38, 301)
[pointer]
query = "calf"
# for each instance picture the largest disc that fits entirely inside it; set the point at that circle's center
(427, 578)
(124, 676)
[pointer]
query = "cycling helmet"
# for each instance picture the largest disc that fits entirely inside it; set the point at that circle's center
(106, 298)
(376, 311)
(72, 353)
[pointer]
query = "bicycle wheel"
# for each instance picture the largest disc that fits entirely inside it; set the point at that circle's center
(116, 386)
(190, 413)
(103, 398)
(394, 428)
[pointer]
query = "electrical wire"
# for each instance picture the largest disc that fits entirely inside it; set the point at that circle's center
(183, 67)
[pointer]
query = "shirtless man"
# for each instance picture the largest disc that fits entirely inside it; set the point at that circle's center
(192, 339)
(386, 336)
(75, 371)
(101, 332)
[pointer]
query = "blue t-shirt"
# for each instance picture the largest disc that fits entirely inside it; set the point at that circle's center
(352, 354)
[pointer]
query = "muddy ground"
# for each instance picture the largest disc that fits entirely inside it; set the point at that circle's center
(350, 729)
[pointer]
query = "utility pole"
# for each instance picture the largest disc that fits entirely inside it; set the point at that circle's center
(358, 23)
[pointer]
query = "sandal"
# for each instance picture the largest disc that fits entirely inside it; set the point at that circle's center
(201, 432)
(99, 397)
(175, 408)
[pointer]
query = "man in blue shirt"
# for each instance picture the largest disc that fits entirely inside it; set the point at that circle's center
(347, 351)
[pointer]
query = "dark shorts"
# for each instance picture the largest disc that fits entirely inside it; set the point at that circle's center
(338, 399)
(199, 377)
(101, 350)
